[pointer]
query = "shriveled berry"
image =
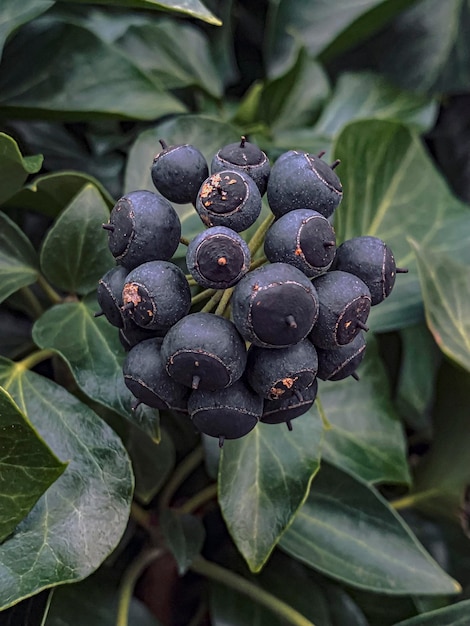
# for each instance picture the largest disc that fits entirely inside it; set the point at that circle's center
(143, 226)
(218, 258)
(228, 413)
(229, 198)
(245, 157)
(372, 261)
(344, 308)
(178, 172)
(204, 351)
(285, 409)
(109, 295)
(274, 306)
(156, 295)
(303, 238)
(146, 377)
(275, 374)
(339, 363)
(299, 180)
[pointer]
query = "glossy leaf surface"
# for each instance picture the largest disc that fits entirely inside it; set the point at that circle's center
(184, 535)
(454, 615)
(14, 168)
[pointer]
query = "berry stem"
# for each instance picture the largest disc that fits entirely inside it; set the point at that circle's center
(182, 471)
(252, 591)
(258, 263)
(213, 302)
(258, 238)
(203, 295)
(224, 301)
(184, 241)
(325, 421)
(201, 497)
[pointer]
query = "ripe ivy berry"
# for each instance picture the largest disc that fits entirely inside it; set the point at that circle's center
(243, 157)
(285, 409)
(341, 362)
(178, 172)
(109, 295)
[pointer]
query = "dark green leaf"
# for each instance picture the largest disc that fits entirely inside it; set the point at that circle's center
(455, 615)
(393, 191)
(156, 48)
(205, 133)
(349, 532)
(13, 14)
(189, 8)
(184, 534)
(263, 480)
(323, 26)
(365, 438)
(75, 253)
(50, 193)
(27, 466)
(14, 168)
(94, 602)
(445, 284)
(92, 349)
(15, 334)
(95, 77)
(18, 259)
(82, 516)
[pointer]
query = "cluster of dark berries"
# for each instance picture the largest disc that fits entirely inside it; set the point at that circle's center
(252, 339)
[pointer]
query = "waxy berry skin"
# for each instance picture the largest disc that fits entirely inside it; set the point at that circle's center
(143, 226)
(178, 172)
(274, 306)
(244, 157)
(288, 408)
(299, 180)
(109, 295)
(156, 295)
(218, 258)
(339, 363)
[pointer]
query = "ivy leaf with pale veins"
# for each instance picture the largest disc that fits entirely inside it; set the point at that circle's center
(264, 478)
(27, 466)
(80, 519)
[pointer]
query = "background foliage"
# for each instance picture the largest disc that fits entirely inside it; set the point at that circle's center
(359, 516)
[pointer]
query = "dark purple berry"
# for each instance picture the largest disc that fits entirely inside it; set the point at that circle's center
(339, 363)
(109, 295)
(288, 408)
(244, 157)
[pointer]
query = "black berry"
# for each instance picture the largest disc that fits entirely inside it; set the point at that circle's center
(285, 409)
(109, 295)
(338, 363)
(245, 157)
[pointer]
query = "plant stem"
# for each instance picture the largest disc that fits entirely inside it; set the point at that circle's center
(129, 580)
(141, 516)
(258, 238)
(182, 471)
(325, 421)
(213, 301)
(184, 241)
(224, 301)
(261, 261)
(203, 295)
(191, 281)
(50, 292)
(32, 301)
(242, 585)
(412, 499)
(35, 358)
(200, 498)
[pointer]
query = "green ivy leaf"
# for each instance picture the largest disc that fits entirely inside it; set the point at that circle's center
(80, 519)
(184, 535)
(346, 530)
(27, 466)
(14, 168)
(96, 78)
(13, 14)
(75, 252)
(205, 133)
(18, 260)
(50, 193)
(392, 190)
(454, 615)
(189, 8)
(445, 284)
(366, 438)
(263, 480)
(92, 349)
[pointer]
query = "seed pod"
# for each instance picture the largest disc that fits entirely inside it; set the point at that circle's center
(204, 351)
(275, 374)
(228, 413)
(109, 295)
(288, 408)
(372, 261)
(145, 376)
(344, 307)
(178, 172)
(243, 157)
(304, 239)
(142, 227)
(230, 199)
(156, 295)
(218, 258)
(339, 363)
(299, 180)
(274, 306)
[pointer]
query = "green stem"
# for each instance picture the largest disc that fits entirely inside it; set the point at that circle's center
(224, 301)
(325, 421)
(200, 498)
(50, 292)
(258, 238)
(191, 281)
(141, 516)
(212, 303)
(184, 241)
(412, 499)
(203, 295)
(32, 301)
(35, 358)
(129, 581)
(242, 585)
(182, 471)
